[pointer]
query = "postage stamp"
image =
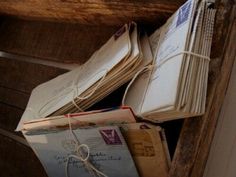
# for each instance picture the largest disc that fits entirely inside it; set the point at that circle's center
(183, 13)
(111, 137)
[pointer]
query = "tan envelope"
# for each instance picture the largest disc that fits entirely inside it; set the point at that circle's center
(148, 147)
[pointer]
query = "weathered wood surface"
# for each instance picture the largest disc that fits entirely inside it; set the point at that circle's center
(222, 155)
(24, 76)
(18, 160)
(111, 12)
(209, 129)
(196, 135)
(10, 116)
(71, 43)
(17, 80)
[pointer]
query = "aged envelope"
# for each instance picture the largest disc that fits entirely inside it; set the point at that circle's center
(149, 149)
(51, 96)
(109, 116)
(177, 85)
(108, 152)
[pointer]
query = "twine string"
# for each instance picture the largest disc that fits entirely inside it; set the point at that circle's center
(152, 67)
(80, 155)
(76, 96)
(146, 68)
(74, 88)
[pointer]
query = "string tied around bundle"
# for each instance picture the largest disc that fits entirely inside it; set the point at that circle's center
(156, 66)
(80, 155)
(182, 53)
(75, 93)
(74, 89)
(144, 69)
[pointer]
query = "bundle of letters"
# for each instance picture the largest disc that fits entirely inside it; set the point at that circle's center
(177, 85)
(98, 143)
(114, 64)
(168, 75)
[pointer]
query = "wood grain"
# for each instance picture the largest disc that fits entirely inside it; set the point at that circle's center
(24, 76)
(9, 117)
(75, 43)
(222, 155)
(209, 128)
(197, 133)
(13, 97)
(63, 42)
(18, 160)
(17, 79)
(111, 12)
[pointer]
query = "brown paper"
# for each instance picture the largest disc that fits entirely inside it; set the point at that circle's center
(148, 148)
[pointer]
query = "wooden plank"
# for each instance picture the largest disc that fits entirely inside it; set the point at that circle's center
(9, 117)
(222, 155)
(13, 97)
(197, 133)
(13, 135)
(209, 127)
(18, 160)
(23, 76)
(17, 79)
(28, 59)
(111, 12)
(63, 42)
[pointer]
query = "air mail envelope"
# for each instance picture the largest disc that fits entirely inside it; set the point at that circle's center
(108, 152)
(148, 148)
(172, 41)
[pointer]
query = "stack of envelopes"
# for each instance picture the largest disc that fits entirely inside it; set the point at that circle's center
(109, 116)
(102, 132)
(115, 63)
(174, 87)
(177, 86)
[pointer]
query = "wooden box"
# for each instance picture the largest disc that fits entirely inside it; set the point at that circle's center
(42, 39)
